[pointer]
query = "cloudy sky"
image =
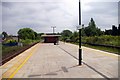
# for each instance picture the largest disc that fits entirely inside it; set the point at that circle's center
(40, 15)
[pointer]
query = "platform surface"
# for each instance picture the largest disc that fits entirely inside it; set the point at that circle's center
(46, 60)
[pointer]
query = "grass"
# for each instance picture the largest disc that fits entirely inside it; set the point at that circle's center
(105, 40)
(12, 49)
(6, 49)
(107, 49)
(28, 42)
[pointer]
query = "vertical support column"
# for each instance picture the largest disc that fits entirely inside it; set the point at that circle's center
(80, 50)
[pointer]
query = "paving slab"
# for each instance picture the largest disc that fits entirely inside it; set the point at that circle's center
(104, 62)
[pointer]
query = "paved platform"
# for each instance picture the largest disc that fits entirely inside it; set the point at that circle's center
(61, 61)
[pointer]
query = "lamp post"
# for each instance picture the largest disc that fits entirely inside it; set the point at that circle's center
(80, 50)
(79, 28)
(53, 29)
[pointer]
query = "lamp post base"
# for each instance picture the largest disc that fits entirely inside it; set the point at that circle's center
(80, 56)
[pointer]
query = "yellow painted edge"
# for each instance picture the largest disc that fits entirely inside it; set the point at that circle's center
(14, 65)
(20, 66)
(12, 75)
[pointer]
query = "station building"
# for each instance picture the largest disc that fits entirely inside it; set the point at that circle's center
(51, 38)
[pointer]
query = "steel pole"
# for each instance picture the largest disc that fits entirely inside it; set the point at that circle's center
(80, 50)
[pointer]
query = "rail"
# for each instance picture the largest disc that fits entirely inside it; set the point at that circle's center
(11, 55)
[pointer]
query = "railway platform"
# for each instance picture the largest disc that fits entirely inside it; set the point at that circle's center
(46, 60)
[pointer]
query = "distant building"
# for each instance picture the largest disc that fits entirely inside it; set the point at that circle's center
(11, 37)
(15, 38)
(51, 38)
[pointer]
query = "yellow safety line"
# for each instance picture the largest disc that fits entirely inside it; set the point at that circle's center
(20, 66)
(6, 64)
(16, 64)
(12, 75)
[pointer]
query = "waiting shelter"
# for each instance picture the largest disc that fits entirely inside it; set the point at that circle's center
(51, 38)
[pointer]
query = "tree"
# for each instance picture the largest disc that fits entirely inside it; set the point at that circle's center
(119, 30)
(5, 35)
(36, 35)
(114, 30)
(108, 32)
(26, 33)
(39, 35)
(66, 34)
(83, 32)
(92, 23)
(99, 32)
(75, 37)
(92, 30)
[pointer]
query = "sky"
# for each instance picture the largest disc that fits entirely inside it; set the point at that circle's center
(41, 15)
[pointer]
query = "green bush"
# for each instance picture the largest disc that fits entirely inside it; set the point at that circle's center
(28, 41)
(105, 39)
(7, 49)
(10, 41)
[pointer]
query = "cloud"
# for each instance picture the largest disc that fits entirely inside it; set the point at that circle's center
(0, 17)
(40, 15)
(105, 14)
(119, 12)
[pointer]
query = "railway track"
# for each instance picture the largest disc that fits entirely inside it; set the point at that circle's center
(12, 55)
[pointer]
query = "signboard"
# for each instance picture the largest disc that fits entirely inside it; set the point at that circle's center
(79, 27)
